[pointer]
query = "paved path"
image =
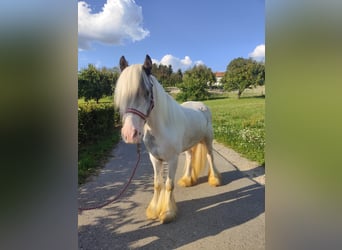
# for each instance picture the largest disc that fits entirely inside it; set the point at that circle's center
(231, 216)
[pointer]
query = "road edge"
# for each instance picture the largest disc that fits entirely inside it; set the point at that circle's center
(251, 169)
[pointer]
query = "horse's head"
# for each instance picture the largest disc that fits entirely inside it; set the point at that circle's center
(134, 98)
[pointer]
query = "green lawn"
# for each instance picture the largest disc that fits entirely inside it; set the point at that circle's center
(102, 100)
(240, 124)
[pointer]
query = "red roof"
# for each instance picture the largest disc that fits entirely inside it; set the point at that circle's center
(219, 74)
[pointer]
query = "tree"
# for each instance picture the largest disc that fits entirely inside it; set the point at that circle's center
(176, 78)
(94, 83)
(195, 83)
(243, 73)
(108, 77)
(164, 74)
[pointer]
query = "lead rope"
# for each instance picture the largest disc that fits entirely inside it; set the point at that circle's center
(80, 210)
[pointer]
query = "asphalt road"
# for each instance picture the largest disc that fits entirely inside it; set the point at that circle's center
(231, 216)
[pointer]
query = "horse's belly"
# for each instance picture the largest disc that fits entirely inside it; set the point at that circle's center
(198, 124)
(192, 138)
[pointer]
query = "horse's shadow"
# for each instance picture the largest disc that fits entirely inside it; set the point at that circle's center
(197, 219)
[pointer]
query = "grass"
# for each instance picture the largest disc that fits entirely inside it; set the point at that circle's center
(92, 155)
(105, 99)
(240, 124)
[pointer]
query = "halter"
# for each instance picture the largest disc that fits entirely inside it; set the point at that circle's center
(139, 113)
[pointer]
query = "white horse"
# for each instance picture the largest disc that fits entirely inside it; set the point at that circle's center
(167, 129)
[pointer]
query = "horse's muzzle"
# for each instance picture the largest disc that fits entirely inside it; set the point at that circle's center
(132, 128)
(133, 136)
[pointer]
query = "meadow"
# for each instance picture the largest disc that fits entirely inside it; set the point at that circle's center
(240, 125)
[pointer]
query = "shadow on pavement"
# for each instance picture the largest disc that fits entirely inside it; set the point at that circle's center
(197, 219)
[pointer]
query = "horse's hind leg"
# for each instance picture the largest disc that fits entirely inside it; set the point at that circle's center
(152, 211)
(187, 180)
(214, 176)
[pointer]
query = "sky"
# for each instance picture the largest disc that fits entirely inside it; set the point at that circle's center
(182, 33)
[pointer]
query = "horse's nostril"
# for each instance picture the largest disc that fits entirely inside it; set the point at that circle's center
(135, 133)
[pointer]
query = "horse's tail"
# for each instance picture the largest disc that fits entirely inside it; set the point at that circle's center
(198, 159)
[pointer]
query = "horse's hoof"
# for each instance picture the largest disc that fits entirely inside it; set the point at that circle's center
(151, 213)
(167, 217)
(214, 181)
(186, 182)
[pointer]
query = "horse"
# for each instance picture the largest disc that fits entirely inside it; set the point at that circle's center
(167, 129)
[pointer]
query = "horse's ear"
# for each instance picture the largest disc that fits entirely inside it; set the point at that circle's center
(123, 63)
(148, 65)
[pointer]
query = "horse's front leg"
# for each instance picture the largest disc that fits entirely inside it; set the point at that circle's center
(167, 204)
(152, 211)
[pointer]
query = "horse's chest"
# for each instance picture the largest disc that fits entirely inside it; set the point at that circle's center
(152, 145)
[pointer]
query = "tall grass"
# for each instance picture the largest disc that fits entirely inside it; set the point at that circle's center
(240, 124)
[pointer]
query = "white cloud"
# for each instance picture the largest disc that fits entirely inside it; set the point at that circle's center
(258, 53)
(177, 63)
(199, 62)
(118, 21)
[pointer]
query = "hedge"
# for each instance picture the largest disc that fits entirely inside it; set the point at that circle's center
(95, 121)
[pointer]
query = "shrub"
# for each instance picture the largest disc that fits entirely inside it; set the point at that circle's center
(195, 84)
(94, 121)
(192, 91)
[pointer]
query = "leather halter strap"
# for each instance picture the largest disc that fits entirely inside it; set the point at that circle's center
(139, 113)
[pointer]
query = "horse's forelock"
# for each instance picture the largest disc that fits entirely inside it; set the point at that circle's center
(127, 86)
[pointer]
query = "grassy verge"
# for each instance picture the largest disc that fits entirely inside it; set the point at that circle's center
(92, 155)
(105, 99)
(240, 124)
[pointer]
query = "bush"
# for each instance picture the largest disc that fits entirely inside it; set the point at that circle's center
(195, 84)
(192, 91)
(94, 121)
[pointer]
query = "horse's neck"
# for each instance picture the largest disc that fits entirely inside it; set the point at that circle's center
(167, 112)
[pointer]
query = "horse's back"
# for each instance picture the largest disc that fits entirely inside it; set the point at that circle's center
(199, 122)
(198, 106)
(195, 105)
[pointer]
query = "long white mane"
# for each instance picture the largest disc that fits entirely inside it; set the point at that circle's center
(168, 110)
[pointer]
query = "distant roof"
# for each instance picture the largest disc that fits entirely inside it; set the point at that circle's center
(219, 74)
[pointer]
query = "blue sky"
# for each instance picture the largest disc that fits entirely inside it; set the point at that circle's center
(182, 33)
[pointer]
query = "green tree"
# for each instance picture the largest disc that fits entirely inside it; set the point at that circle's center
(176, 78)
(164, 74)
(94, 83)
(195, 83)
(108, 77)
(243, 73)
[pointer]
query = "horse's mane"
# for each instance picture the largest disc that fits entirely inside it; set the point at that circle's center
(128, 86)
(169, 111)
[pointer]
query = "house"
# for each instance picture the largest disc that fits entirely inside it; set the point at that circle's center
(219, 76)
